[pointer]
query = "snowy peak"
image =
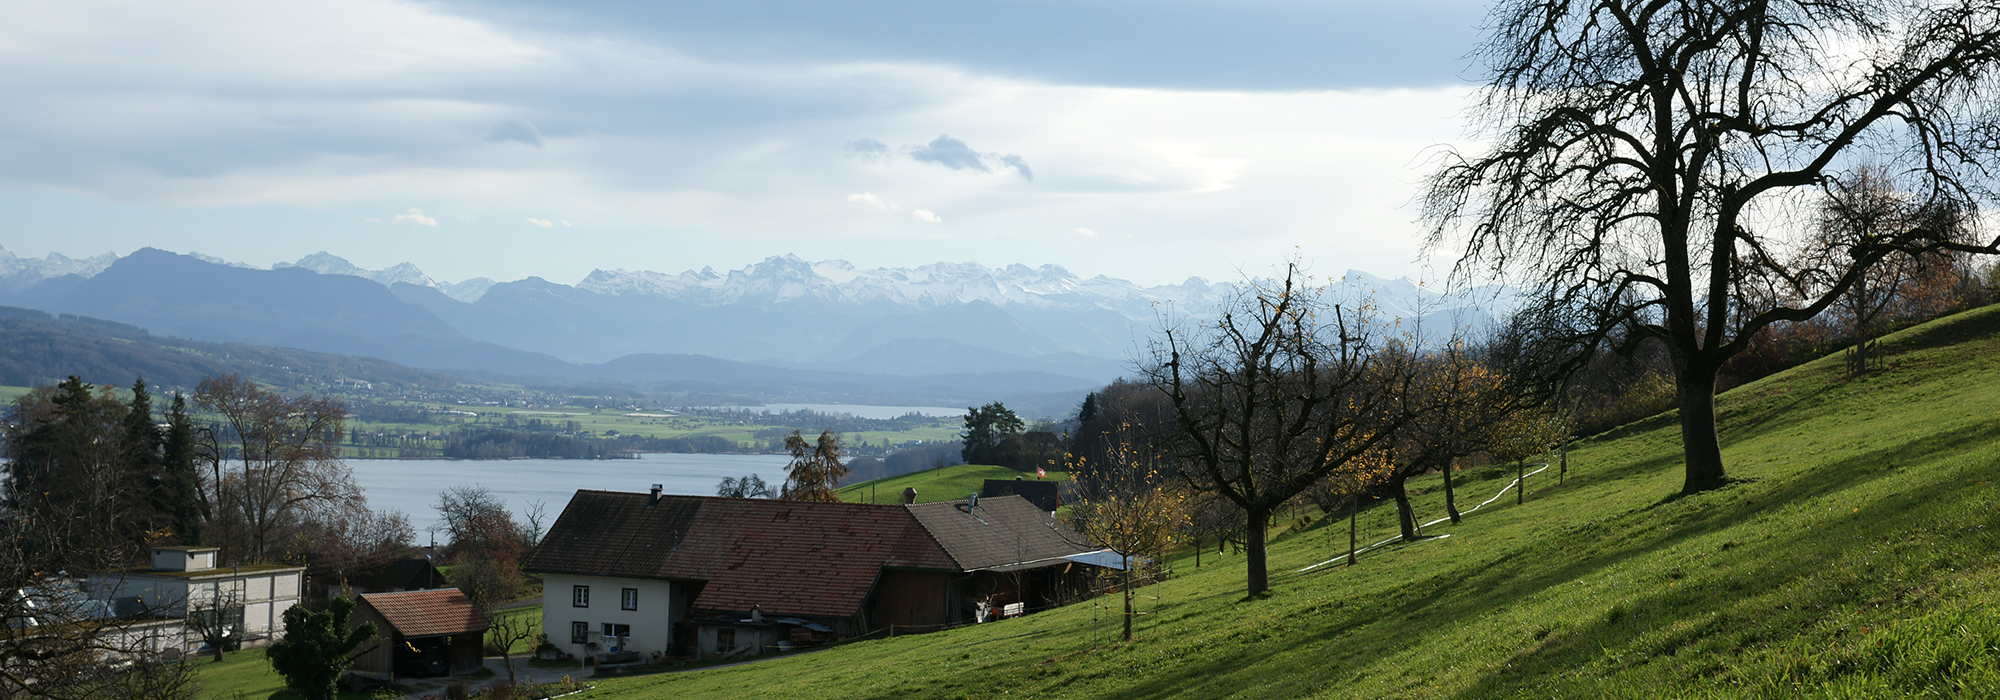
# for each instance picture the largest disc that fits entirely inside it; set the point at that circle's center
(790, 278)
(326, 263)
(20, 273)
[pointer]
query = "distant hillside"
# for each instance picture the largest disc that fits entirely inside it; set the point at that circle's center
(37, 348)
(1856, 557)
(942, 484)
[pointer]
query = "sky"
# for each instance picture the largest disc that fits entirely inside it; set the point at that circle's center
(1150, 141)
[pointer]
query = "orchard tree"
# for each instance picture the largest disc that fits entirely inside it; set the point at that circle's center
(1131, 508)
(1278, 392)
(1646, 156)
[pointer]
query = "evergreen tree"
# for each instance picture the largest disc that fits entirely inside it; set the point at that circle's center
(987, 430)
(144, 507)
(182, 487)
(317, 647)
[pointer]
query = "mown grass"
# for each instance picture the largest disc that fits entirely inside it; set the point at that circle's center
(248, 675)
(1857, 556)
(943, 484)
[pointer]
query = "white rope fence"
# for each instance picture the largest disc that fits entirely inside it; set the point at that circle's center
(1462, 513)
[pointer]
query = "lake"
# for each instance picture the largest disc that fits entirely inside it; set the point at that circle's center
(412, 485)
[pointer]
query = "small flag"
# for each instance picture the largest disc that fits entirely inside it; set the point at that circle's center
(1041, 473)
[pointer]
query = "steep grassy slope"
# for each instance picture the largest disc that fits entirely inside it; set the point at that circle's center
(1859, 557)
(946, 484)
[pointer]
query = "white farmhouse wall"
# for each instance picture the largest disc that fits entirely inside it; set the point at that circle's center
(652, 625)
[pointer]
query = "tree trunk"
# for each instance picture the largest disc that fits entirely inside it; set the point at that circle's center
(1353, 526)
(1699, 441)
(1128, 598)
(1450, 497)
(1255, 522)
(1197, 550)
(1406, 516)
(1520, 481)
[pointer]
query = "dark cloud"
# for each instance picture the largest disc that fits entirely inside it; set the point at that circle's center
(869, 149)
(1019, 166)
(515, 131)
(951, 153)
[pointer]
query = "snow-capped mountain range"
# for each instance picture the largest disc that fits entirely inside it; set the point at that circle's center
(788, 278)
(1029, 324)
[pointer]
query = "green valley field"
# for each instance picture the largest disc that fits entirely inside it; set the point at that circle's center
(946, 484)
(1857, 555)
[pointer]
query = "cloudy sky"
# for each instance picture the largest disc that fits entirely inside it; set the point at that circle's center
(1151, 140)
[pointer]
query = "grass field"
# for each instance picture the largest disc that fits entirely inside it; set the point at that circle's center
(946, 484)
(650, 423)
(1857, 555)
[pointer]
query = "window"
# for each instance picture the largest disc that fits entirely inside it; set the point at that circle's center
(579, 632)
(579, 596)
(725, 640)
(612, 631)
(630, 599)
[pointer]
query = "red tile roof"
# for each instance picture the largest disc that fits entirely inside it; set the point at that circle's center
(787, 557)
(427, 613)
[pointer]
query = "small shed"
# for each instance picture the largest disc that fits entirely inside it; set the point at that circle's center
(420, 634)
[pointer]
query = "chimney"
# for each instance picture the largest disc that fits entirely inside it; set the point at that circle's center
(972, 501)
(909, 495)
(656, 494)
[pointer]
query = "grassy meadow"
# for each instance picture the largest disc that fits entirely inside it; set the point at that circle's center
(1856, 556)
(946, 484)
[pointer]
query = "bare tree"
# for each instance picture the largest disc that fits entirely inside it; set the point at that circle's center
(57, 644)
(214, 613)
(1645, 154)
(504, 631)
(1280, 391)
(1865, 207)
(282, 456)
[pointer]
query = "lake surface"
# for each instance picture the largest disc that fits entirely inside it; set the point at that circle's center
(412, 485)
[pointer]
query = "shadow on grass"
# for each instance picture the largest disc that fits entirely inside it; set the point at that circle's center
(1617, 638)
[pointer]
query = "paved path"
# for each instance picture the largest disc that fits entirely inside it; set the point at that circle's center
(424, 688)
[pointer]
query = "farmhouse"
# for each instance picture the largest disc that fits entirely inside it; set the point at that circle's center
(630, 575)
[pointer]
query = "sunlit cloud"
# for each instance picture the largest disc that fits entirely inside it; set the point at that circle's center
(924, 216)
(416, 216)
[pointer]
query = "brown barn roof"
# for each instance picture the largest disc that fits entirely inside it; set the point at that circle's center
(1006, 532)
(427, 613)
(788, 557)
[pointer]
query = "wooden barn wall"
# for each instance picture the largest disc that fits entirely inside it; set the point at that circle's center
(910, 599)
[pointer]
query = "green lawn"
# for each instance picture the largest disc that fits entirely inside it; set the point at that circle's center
(947, 484)
(248, 675)
(1858, 556)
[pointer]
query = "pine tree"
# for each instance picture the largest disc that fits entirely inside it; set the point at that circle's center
(144, 503)
(182, 487)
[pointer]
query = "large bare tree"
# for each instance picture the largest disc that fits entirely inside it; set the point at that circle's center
(1650, 160)
(1277, 393)
(278, 456)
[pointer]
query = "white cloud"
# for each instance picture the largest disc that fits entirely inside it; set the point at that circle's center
(544, 223)
(1086, 233)
(416, 216)
(868, 199)
(291, 110)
